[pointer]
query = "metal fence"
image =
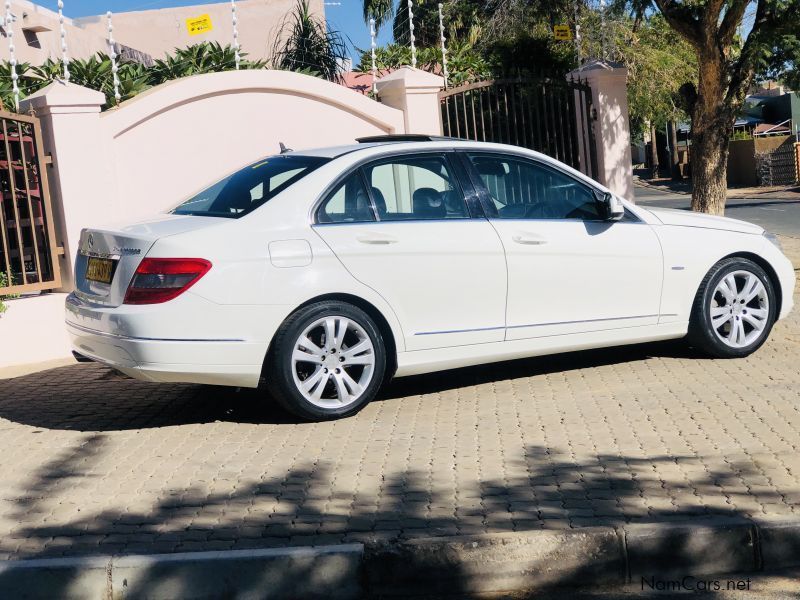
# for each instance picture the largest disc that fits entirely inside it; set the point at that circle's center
(28, 249)
(547, 114)
(777, 167)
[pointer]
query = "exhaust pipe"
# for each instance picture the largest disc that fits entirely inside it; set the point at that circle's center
(81, 358)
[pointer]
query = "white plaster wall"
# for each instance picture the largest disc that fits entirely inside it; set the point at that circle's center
(32, 331)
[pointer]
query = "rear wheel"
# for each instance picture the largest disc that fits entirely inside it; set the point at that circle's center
(734, 309)
(327, 361)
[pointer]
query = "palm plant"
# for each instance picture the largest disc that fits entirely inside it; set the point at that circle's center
(26, 82)
(207, 57)
(309, 45)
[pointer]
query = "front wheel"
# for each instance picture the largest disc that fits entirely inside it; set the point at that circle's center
(327, 361)
(734, 309)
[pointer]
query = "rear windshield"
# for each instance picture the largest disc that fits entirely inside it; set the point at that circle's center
(249, 188)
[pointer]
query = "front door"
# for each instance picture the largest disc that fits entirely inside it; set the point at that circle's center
(569, 271)
(402, 227)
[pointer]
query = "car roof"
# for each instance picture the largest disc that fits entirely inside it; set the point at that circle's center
(403, 143)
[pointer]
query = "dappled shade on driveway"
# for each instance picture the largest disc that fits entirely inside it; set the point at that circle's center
(92, 463)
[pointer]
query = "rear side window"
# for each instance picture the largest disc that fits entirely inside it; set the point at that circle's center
(349, 203)
(249, 188)
(415, 187)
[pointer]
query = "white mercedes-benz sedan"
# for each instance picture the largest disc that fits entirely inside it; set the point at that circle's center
(323, 273)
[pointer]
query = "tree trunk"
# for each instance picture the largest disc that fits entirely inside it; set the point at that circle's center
(712, 122)
(709, 171)
(653, 152)
(673, 149)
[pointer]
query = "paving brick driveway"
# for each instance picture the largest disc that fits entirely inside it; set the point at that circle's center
(91, 463)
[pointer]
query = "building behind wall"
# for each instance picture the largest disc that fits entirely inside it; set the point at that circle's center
(152, 33)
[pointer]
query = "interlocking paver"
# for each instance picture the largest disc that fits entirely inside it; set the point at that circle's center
(91, 463)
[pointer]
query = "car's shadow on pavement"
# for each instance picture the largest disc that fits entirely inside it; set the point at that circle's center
(92, 397)
(431, 383)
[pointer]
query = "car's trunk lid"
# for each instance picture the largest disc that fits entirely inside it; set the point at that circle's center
(108, 257)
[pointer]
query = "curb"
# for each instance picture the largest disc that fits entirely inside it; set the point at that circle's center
(491, 563)
(660, 188)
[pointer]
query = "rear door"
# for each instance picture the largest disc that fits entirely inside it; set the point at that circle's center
(403, 227)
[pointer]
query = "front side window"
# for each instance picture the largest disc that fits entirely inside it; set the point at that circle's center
(415, 187)
(522, 189)
(249, 188)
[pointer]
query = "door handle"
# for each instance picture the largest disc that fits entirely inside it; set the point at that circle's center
(528, 239)
(376, 239)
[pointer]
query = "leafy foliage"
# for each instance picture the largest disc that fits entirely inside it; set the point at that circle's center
(95, 72)
(464, 64)
(309, 46)
(4, 282)
(659, 62)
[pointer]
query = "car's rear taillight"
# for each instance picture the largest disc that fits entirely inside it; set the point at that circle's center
(160, 279)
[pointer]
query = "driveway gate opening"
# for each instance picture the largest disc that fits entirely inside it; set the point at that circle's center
(550, 115)
(28, 250)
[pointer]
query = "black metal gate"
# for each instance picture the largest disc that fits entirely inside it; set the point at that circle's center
(550, 115)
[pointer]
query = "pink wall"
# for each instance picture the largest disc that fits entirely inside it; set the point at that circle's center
(153, 151)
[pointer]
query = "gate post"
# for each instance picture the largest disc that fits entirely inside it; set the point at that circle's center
(81, 173)
(611, 124)
(416, 93)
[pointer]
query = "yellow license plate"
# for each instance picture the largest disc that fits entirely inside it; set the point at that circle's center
(100, 269)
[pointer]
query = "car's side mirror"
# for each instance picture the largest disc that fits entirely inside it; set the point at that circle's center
(613, 207)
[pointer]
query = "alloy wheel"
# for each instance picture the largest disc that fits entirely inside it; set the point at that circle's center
(333, 362)
(739, 309)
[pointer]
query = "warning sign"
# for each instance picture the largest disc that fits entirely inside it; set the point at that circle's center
(199, 25)
(562, 32)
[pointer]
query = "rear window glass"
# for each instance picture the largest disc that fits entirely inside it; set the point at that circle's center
(249, 188)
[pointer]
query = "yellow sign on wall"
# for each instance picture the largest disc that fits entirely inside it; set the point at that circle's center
(199, 25)
(562, 32)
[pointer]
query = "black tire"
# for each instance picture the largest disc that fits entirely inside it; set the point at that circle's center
(701, 332)
(280, 374)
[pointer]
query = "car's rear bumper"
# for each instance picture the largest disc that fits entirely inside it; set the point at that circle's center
(214, 362)
(187, 340)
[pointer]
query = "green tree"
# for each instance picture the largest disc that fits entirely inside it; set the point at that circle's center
(464, 63)
(659, 62)
(727, 65)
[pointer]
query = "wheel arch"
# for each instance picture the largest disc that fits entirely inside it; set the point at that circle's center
(768, 269)
(374, 312)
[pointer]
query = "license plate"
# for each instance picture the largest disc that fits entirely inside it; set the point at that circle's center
(100, 269)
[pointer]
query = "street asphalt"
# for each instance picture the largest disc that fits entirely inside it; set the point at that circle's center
(775, 214)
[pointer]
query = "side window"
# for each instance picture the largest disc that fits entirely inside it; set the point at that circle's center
(522, 189)
(415, 187)
(349, 203)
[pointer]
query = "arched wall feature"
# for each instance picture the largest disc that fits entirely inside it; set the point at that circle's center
(153, 151)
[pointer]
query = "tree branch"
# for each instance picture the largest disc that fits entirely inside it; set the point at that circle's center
(733, 16)
(767, 23)
(682, 19)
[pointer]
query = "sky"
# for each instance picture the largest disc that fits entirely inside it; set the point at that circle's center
(342, 15)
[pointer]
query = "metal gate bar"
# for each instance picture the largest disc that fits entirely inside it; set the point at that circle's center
(547, 114)
(28, 252)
